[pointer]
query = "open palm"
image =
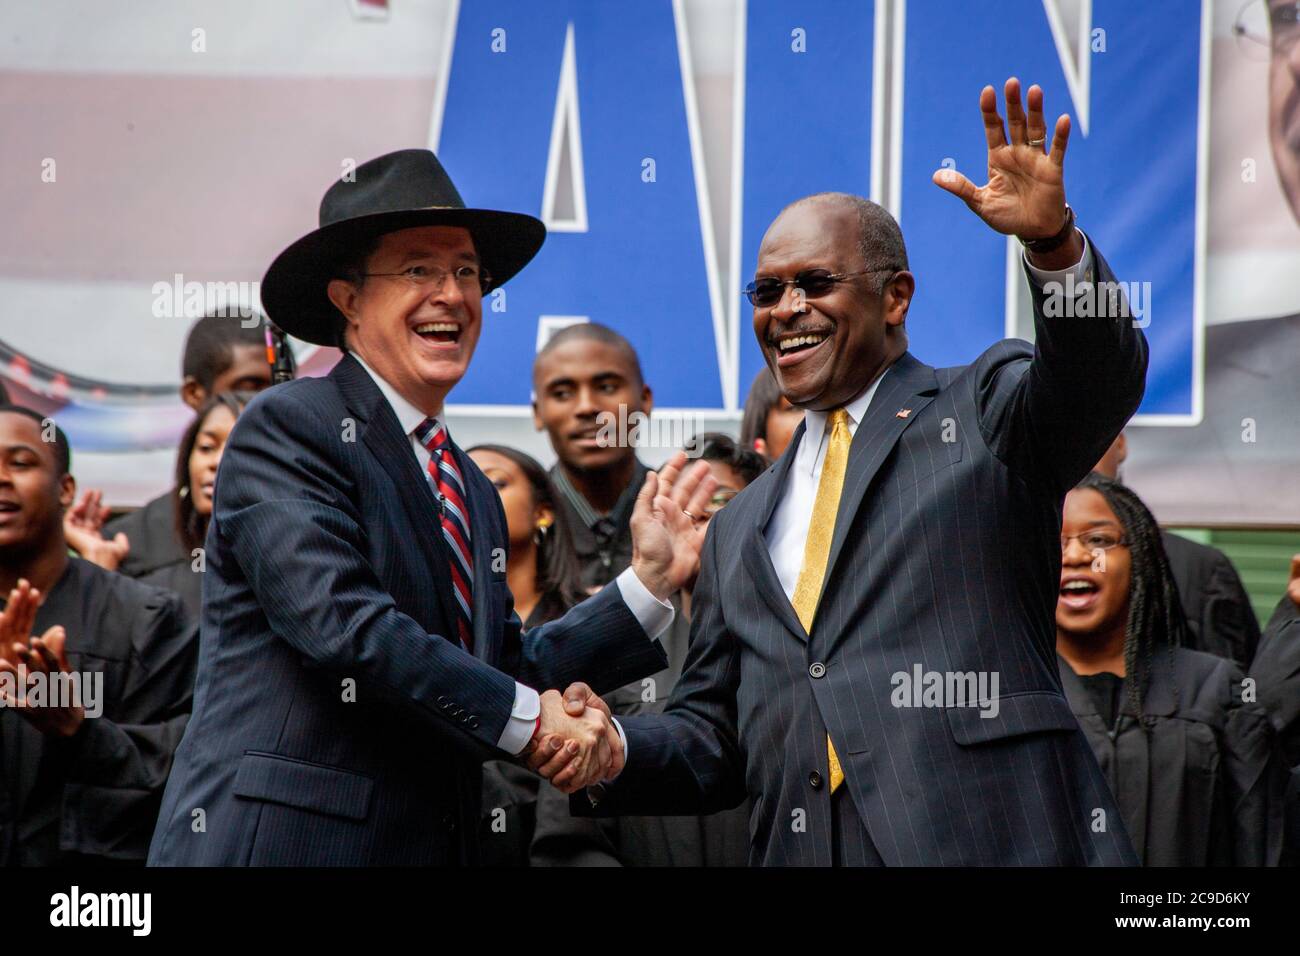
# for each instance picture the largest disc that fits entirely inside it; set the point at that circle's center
(1025, 192)
(666, 538)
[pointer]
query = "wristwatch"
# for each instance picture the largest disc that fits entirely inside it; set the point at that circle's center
(1051, 243)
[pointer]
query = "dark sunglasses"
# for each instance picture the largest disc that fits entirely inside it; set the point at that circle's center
(813, 282)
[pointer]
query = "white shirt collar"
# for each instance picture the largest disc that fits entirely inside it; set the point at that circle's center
(408, 416)
(815, 422)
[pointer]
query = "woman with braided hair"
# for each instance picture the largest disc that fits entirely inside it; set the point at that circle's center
(1186, 751)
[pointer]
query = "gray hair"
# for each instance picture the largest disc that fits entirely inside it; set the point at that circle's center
(880, 241)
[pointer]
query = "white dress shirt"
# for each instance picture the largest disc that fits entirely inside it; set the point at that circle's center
(787, 531)
(653, 614)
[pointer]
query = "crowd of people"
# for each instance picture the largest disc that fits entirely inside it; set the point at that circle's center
(1155, 633)
(311, 646)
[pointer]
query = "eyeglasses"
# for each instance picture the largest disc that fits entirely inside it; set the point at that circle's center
(1264, 25)
(720, 499)
(1094, 540)
(813, 282)
(467, 278)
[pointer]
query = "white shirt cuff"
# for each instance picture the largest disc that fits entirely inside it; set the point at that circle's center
(653, 614)
(1082, 269)
(523, 720)
(623, 737)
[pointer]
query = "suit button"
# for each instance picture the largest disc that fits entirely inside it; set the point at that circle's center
(473, 723)
(815, 780)
(817, 669)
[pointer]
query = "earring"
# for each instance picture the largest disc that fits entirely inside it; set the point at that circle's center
(543, 527)
(184, 491)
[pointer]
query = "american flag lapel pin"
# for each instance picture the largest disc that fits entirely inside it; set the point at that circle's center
(902, 413)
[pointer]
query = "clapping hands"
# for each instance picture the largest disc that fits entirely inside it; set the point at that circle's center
(82, 524)
(26, 656)
(668, 527)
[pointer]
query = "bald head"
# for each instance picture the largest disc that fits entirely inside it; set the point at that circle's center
(879, 240)
(850, 324)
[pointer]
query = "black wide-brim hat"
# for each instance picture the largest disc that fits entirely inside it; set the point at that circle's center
(401, 190)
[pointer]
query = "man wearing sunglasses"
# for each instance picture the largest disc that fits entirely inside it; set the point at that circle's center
(912, 524)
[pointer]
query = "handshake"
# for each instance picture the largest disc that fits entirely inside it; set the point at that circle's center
(576, 743)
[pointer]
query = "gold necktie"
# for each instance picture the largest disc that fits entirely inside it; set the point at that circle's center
(817, 550)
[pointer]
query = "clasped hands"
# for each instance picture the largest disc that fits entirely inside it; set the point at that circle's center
(576, 743)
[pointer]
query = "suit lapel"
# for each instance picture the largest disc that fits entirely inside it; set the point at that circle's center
(906, 389)
(479, 493)
(382, 435)
(756, 556)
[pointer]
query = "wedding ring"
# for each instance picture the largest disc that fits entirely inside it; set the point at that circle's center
(689, 515)
(1038, 142)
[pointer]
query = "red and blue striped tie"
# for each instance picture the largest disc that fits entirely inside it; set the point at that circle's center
(446, 478)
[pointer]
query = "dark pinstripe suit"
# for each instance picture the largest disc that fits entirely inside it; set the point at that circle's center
(324, 564)
(945, 554)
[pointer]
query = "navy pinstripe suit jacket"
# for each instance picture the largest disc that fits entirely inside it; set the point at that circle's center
(945, 555)
(326, 570)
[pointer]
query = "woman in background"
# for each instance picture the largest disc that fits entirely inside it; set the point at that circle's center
(543, 576)
(733, 465)
(178, 567)
(1188, 760)
(769, 421)
(541, 567)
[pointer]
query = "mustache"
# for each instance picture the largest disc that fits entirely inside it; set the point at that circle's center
(772, 337)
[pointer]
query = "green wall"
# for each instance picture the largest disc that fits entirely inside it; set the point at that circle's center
(1262, 558)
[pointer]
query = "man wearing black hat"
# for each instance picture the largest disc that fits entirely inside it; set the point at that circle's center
(359, 650)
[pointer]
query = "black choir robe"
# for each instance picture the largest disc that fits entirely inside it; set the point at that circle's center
(157, 556)
(94, 798)
(1276, 670)
(1220, 619)
(1201, 787)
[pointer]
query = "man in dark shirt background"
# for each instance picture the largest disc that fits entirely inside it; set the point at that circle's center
(584, 373)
